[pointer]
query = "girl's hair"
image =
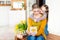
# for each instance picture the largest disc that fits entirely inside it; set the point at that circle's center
(35, 5)
(47, 8)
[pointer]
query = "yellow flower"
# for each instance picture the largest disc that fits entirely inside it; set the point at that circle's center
(22, 21)
(21, 32)
(16, 27)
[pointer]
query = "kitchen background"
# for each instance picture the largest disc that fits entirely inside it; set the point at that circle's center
(9, 18)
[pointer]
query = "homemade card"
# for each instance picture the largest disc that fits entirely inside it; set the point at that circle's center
(33, 30)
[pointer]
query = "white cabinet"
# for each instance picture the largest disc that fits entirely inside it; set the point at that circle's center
(3, 16)
(29, 6)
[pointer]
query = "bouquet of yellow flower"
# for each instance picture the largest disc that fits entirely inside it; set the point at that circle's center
(21, 27)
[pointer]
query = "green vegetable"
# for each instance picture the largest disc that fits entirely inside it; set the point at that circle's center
(22, 26)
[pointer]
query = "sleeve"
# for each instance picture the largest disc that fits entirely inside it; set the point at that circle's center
(42, 27)
(29, 24)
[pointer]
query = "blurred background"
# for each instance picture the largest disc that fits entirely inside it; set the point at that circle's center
(9, 18)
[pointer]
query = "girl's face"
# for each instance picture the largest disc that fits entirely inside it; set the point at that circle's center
(36, 11)
(43, 8)
(41, 11)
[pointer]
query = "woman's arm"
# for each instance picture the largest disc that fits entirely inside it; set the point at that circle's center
(44, 16)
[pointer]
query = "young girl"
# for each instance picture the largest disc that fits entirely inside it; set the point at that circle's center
(36, 27)
(42, 12)
(46, 10)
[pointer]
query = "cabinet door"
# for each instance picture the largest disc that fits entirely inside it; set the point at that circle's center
(4, 16)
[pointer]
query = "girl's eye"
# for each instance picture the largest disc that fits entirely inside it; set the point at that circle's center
(36, 11)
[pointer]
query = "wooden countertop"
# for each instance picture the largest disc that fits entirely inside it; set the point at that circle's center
(53, 37)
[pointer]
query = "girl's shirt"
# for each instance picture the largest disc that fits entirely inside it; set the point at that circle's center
(39, 24)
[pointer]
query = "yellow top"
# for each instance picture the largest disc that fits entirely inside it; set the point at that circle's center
(40, 26)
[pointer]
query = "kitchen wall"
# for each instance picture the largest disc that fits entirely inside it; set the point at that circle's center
(3, 16)
(10, 17)
(54, 16)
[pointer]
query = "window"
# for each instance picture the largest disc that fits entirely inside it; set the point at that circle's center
(5, 3)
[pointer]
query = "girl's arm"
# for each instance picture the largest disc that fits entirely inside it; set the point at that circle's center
(42, 27)
(29, 24)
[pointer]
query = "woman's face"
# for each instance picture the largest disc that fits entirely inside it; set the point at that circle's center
(36, 11)
(43, 8)
(41, 11)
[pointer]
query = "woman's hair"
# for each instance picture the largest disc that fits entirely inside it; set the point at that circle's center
(35, 5)
(47, 8)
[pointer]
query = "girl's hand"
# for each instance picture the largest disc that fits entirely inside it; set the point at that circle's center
(28, 33)
(33, 34)
(20, 36)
